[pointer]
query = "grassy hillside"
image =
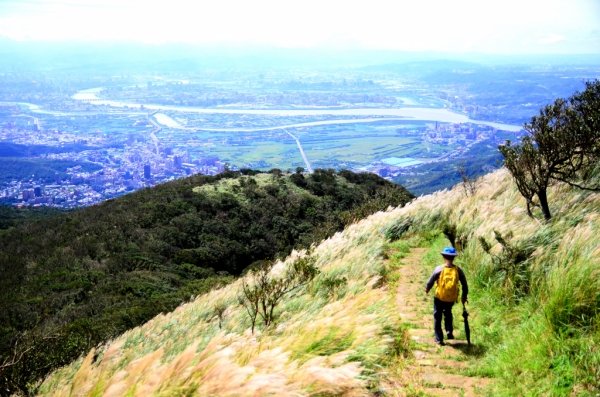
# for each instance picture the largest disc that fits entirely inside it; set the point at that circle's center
(324, 344)
(535, 308)
(537, 296)
(78, 279)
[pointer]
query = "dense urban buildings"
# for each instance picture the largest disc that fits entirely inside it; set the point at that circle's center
(75, 140)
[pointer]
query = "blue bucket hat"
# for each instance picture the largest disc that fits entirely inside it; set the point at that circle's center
(449, 251)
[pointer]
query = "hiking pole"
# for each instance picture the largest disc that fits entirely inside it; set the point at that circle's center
(465, 315)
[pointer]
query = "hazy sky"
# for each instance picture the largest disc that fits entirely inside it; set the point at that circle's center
(499, 26)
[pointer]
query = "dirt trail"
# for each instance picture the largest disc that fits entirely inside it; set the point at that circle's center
(435, 369)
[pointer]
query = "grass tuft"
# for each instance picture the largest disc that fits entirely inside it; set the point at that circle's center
(539, 340)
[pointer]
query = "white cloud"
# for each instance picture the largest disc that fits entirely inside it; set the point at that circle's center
(551, 38)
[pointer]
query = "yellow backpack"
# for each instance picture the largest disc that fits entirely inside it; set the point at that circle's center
(447, 286)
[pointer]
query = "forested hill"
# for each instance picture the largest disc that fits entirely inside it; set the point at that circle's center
(12, 216)
(72, 281)
(534, 304)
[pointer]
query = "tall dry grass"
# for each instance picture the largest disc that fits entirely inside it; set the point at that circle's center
(546, 341)
(543, 339)
(320, 345)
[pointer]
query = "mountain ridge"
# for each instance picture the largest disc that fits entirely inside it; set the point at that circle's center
(354, 339)
(80, 278)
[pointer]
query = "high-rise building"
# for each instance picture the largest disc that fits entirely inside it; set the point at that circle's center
(57, 178)
(28, 195)
(37, 191)
(147, 171)
(177, 160)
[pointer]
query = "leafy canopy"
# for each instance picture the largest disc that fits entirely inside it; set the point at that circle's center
(562, 144)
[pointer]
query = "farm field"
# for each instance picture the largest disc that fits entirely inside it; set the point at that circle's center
(331, 146)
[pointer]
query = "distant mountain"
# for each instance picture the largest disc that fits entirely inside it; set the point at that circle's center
(78, 279)
(130, 57)
(424, 67)
(9, 149)
(45, 169)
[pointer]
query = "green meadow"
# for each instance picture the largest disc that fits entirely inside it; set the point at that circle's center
(331, 146)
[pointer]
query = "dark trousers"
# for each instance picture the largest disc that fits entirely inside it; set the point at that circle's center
(441, 308)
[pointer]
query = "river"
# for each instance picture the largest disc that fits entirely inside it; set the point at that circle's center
(420, 114)
(417, 114)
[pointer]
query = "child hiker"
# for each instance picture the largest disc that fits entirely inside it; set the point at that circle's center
(446, 293)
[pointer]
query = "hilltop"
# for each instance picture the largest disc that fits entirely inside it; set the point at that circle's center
(19, 169)
(78, 279)
(535, 304)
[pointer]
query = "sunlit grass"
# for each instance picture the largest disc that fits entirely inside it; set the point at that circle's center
(542, 342)
(320, 345)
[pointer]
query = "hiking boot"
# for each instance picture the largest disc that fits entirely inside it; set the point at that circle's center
(450, 336)
(440, 343)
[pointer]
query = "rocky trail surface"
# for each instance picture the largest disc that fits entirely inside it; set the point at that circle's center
(435, 370)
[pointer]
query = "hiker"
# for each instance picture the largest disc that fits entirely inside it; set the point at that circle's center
(446, 293)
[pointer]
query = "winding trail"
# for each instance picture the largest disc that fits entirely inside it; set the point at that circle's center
(435, 369)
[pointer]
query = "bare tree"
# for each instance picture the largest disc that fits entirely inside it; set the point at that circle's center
(22, 347)
(220, 307)
(469, 184)
(262, 291)
(249, 296)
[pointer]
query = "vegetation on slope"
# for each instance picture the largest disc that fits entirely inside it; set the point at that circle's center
(562, 144)
(431, 177)
(9, 149)
(535, 290)
(16, 169)
(534, 304)
(324, 343)
(13, 217)
(79, 279)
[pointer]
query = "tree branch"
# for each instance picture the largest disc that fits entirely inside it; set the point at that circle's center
(590, 189)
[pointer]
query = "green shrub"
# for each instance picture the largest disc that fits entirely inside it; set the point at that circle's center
(330, 285)
(263, 292)
(512, 262)
(398, 229)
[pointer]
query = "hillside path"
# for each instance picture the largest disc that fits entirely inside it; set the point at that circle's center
(435, 369)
